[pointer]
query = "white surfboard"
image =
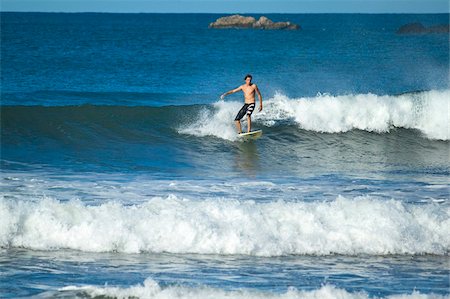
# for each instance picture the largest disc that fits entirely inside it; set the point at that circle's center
(251, 135)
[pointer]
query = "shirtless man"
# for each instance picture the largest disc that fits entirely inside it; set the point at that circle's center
(249, 89)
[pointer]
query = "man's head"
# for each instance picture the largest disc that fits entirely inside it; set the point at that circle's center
(248, 76)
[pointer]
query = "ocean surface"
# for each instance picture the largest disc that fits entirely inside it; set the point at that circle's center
(122, 174)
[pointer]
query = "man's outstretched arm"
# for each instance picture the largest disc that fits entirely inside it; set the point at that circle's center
(230, 92)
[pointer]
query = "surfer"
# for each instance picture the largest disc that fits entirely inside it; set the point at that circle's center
(249, 89)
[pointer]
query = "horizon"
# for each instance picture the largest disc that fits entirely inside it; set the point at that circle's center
(229, 7)
(234, 13)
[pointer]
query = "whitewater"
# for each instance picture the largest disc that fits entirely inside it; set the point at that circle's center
(151, 289)
(427, 112)
(345, 226)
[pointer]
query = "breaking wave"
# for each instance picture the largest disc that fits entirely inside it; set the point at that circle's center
(428, 112)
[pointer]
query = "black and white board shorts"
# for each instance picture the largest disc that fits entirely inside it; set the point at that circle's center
(246, 109)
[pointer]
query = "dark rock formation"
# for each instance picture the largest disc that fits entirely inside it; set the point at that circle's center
(418, 28)
(238, 21)
(439, 29)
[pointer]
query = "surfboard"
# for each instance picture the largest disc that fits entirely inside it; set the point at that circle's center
(251, 135)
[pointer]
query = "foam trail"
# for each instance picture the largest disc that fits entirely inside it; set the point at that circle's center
(363, 225)
(428, 112)
(151, 289)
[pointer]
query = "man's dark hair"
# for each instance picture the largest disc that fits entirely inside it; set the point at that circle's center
(248, 76)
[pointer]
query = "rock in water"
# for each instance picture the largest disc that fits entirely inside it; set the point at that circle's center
(418, 28)
(238, 21)
(234, 21)
(266, 23)
(439, 29)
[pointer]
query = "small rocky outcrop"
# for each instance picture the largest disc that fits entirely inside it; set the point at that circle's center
(419, 28)
(238, 21)
(266, 23)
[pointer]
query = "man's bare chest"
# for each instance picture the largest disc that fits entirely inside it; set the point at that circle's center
(248, 90)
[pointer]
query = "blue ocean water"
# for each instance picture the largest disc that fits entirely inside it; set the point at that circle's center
(122, 174)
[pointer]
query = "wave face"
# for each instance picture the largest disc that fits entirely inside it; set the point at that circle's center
(363, 225)
(151, 289)
(427, 112)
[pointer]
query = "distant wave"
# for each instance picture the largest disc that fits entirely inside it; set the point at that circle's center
(363, 225)
(428, 112)
(151, 289)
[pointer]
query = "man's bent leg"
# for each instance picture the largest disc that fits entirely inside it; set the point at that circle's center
(249, 123)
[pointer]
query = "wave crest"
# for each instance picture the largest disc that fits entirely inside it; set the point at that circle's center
(427, 112)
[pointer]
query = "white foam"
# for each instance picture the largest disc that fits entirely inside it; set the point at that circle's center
(151, 289)
(362, 225)
(428, 112)
(218, 123)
